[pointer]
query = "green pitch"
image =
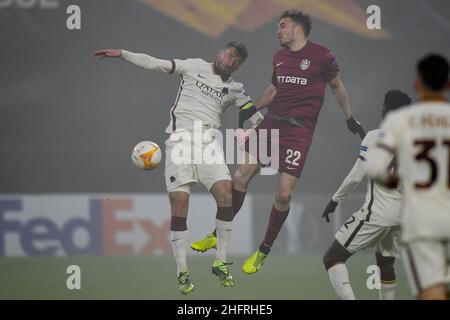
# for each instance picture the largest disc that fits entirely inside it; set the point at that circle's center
(282, 277)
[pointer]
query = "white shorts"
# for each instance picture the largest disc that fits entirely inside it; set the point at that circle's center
(183, 168)
(356, 235)
(427, 263)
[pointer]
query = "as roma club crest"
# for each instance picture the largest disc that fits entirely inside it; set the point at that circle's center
(305, 64)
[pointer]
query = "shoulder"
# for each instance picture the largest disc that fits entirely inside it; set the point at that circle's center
(192, 62)
(280, 52)
(236, 88)
(318, 48)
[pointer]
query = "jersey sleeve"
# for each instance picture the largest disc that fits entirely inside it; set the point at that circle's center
(180, 66)
(331, 67)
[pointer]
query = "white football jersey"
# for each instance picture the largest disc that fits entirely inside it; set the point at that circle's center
(420, 137)
(203, 95)
(382, 205)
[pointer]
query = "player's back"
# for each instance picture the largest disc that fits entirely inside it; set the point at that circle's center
(423, 151)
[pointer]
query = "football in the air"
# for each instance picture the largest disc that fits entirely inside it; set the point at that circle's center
(146, 155)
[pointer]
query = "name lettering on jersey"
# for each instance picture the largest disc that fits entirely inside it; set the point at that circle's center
(429, 120)
(211, 92)
(293, 80)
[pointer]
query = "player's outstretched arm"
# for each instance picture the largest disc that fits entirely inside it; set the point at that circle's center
(266, 98)
(113, 53)
(340, 94)
(139, 59)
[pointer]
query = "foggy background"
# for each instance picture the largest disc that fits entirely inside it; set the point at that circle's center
(68, 121)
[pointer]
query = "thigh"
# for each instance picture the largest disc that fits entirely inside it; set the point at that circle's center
(426, 264)
(389, 245)
(286, 183)
(209, 174)
(178, 174)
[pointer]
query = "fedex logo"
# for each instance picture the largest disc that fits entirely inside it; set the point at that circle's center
(81, 226)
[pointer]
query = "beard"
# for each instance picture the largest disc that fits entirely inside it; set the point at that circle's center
(285, 43)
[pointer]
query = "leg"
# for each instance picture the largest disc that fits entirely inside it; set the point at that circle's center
(334, 262)
(280, 211)
(386, 252)
(426, 266)
(241, 178)
(388, 280)
(179, 203)
(438, 292)
(221, 191)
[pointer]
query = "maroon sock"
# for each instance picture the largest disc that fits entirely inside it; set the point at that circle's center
(178, 224)
(238, 200)
(276, 221)
(224, 213)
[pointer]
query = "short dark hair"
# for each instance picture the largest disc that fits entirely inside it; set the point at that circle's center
(394, 99)
(240, 48)
(299, 17)
(433, 71)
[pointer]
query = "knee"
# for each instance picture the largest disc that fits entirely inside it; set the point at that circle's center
(240, 182)
(283, 198)
(224, 197)
(334, 255)
(179, 207)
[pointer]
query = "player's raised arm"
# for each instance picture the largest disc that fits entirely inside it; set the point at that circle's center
(139, 59)
(340, 94)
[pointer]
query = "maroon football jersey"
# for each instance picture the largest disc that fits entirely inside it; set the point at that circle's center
(300, 78)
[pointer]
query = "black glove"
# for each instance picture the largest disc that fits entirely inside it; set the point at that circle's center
(331, 206)
(246, 112)
(355, 127)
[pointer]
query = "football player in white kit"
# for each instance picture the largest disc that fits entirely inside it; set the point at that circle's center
(206, 90)
(376, 224)
(419, 137)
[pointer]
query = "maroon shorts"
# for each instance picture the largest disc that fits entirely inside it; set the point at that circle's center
(293, 145)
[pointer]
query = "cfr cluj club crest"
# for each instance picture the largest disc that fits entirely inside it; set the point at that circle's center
(305, 64)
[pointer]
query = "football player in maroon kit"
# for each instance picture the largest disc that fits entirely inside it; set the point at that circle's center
(301, 71)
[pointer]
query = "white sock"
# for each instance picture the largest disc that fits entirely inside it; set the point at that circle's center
(341, 282)
(223, 231)
(179, 241)
(387, 291)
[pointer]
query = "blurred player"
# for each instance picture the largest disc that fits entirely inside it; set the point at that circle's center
(301, 71)
(206, 90)
(376, 224)
(419, 137)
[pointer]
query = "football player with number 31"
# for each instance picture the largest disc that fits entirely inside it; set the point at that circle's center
(419, 137)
